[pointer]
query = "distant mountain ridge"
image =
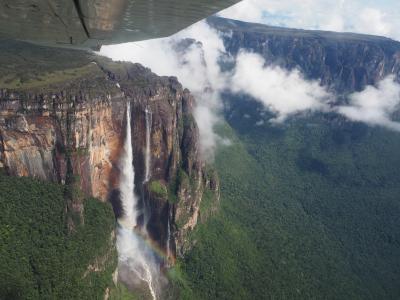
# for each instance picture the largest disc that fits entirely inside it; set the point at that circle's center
(346, 62)
(220, 23)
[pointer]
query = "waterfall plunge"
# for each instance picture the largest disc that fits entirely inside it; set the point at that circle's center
(127, 180)
(168, 240)
(136, 260)
(147, 161)
(148, 141)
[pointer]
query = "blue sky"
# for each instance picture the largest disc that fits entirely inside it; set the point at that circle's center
(363, 16)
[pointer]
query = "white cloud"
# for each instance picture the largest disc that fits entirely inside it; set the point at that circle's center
(362, 16)
(375, 105)
(283, 92)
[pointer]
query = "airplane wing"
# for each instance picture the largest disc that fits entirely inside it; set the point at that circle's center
(91, 23)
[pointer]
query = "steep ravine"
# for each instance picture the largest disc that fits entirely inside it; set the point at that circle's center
(67, 125)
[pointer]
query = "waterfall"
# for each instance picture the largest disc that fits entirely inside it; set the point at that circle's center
(136, 260)
(168, 239)
(127, 180)
(148, 115)
(147, 161)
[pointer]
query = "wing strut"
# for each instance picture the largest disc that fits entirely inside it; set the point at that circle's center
(81, 17)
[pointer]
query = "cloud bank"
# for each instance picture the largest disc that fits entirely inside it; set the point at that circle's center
(375, 105)
(282, 92)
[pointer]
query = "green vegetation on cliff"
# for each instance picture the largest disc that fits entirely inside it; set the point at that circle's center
(158, 188)
(309, 210)
(39, 258)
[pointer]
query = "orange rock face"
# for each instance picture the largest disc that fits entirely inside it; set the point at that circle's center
(76, 129)
(35, 145)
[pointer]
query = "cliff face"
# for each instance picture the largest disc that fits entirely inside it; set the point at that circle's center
(345, 62)
(67, 125)
(39, 139)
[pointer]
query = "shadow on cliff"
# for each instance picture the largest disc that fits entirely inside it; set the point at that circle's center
(115, 200)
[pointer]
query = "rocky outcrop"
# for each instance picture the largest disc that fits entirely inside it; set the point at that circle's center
(67, 126)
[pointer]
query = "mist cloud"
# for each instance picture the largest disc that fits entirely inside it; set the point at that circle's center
(375, 105)
(282, 92)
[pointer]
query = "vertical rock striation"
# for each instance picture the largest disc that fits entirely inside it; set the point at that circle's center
(67, 125)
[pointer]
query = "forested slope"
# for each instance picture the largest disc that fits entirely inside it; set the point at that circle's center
(39, 257)
(309, 210)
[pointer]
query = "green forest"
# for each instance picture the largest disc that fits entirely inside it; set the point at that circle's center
(309, 210)
(39, 257)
